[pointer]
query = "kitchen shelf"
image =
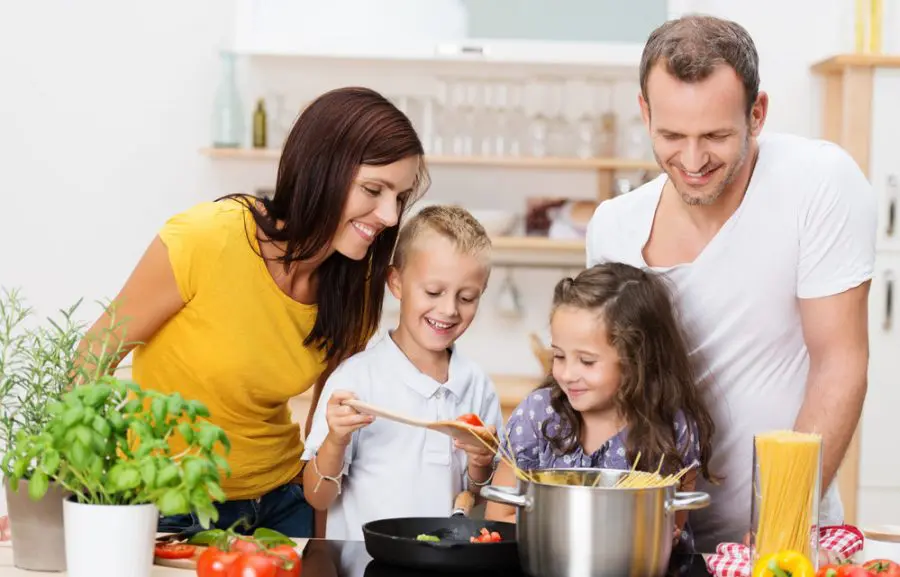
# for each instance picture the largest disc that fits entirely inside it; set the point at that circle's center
(537, 252)
(600, 164)
(841, 62)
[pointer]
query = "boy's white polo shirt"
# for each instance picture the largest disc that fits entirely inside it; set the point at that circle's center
(392, 469)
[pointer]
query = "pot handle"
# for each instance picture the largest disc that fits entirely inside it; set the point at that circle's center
(505, 496)
(689, 501)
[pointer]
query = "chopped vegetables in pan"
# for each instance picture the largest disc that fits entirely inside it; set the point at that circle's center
(486, 537)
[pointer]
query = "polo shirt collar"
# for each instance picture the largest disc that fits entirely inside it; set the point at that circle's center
(459, 375)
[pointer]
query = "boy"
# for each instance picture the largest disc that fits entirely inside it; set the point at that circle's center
(360, 470)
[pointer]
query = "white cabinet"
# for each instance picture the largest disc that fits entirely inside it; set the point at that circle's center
(593, 32)
(883, 397)
(884, 170)
(861, 112)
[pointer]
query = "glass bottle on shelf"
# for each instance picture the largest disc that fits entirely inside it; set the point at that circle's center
(228, 118)
(259, 125)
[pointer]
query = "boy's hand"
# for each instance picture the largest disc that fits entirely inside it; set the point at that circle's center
(4, 529)
(479, 455)
(343, 420)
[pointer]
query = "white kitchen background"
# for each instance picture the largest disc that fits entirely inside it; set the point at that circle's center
(104, 108)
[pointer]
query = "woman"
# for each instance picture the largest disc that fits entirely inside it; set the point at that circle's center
(243, 303)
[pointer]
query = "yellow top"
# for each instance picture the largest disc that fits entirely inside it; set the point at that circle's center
(237, 345)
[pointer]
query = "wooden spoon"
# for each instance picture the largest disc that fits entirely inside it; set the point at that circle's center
(456, 429)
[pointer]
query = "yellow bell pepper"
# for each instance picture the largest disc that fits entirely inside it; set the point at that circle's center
(784, 564)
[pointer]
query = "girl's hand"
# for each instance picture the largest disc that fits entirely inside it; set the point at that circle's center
(5, 534)
(479, 455)
(343, 420)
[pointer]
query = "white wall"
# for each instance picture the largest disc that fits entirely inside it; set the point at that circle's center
(103, 109)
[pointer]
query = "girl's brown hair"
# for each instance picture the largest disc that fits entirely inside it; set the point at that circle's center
(658, 380)
(336, 134)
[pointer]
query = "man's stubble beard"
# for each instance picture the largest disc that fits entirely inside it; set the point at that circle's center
(690, 200)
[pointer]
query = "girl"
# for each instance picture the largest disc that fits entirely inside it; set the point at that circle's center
(621, 384)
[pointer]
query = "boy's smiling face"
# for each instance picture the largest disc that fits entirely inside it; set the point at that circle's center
(439, 289)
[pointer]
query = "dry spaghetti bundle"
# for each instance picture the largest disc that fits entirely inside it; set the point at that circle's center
(786, 490)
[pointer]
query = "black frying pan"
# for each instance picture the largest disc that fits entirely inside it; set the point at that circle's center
(393, 542)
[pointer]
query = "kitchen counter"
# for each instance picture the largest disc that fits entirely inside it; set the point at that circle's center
(324, 558)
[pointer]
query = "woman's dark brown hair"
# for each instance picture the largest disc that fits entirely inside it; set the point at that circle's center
(658, 380)
(336, 134)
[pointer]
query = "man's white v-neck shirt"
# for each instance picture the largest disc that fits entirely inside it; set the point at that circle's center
(805, 229)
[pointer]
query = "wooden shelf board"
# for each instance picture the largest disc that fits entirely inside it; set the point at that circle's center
(536, 243)
(489, 161)
(841, 62)
(548, 162)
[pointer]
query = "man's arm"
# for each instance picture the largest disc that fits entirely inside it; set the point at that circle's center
(836, 332)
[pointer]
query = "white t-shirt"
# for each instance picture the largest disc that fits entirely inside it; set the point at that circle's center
(392, 469)
(805, 229)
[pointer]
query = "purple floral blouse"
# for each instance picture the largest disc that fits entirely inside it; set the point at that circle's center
(533, 451)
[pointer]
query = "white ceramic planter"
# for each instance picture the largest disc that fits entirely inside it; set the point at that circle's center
(109, 540)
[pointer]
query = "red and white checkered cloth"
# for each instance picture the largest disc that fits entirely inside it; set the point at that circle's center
(733, 559)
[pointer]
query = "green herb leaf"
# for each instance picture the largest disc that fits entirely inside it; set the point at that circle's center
(174, 502)
(51, 461)
(187, 432)
(199, 408)
(175, 405)
(116, 421)
(168, 476)
(158, 409)
(102, 427)
(72, 416)
(193, 473)
(148, 474)
(97, 395)
(207, 537)
(38, 485)
(271, 538)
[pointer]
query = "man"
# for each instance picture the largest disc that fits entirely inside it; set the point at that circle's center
(769, 244)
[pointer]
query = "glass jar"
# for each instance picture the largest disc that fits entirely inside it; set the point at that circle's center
(786, 492)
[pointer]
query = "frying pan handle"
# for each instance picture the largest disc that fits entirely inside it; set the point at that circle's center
(463, 504)
(506, 496)
(689, 501)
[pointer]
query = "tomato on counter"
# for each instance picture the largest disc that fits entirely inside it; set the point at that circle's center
(884, 567)
(174, 551)
(266, 553)
(215, 563)
(471, 419)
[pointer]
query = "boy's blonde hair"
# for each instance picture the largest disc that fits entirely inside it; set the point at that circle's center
(452, 222)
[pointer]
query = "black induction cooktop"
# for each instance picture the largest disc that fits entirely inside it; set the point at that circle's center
(326, 558)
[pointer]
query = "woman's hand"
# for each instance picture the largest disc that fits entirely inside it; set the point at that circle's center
(5, 533)
(479, 455)
(343, 420)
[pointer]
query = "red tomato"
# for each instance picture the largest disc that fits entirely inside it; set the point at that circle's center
(253, 565)
(243, 546)
(174, 550)
(851, 570)
(471, 419)
(828, 571)
(883, 567)
(215, 563)
(288, 561)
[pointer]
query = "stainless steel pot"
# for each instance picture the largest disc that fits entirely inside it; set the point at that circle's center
(567, 527)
